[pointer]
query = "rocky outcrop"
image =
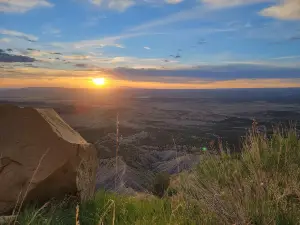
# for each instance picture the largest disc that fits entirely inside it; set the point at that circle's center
(115, 175)
(41, 157)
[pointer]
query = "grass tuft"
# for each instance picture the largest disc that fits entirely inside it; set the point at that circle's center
(261, 186)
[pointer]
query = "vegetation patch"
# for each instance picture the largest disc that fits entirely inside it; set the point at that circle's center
(259, 186)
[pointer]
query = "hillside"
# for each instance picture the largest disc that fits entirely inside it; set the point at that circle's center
(259, 186)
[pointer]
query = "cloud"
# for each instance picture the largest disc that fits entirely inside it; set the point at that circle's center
(132, 62)
(17, 34)
(202, 77)
(119, 5)
(6, 40)
(21, 6)
(111, 41)
(230, 3)
(56, 53)
(147, 48)
(184, 15)
(288, 57)
(10, 58)
(76, 57)
(209, 73)
(173, 1)
(98, 43)
(285, 10)
(83, 65)
(122, 5)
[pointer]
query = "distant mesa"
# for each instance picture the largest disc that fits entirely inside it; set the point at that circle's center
(40, 153)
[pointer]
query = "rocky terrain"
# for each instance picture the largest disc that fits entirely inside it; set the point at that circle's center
(159, 131)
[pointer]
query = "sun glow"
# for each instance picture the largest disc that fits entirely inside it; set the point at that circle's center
(100, 81)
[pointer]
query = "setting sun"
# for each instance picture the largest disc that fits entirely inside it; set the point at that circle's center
(99, 81)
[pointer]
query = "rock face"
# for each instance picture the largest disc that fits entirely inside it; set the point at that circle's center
(42, 157)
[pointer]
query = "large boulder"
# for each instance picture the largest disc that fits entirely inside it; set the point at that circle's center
(42, 157)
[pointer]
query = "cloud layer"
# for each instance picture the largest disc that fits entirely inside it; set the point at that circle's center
(177, 43)
(10, 58)
(21, 6)
(17, 34)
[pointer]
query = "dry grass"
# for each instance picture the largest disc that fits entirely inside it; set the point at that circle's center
(260, 186)
(117, 148)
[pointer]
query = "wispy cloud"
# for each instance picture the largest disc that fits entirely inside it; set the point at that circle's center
(285, 10)
(21, 6)
(110, 41)
(76, 57)
(141, 63)
(17, 34)
(147, 48)
(173, 1)
(119, 5)
(265, 31)
(287, 57)
(122, 5)
(231, 3)
(183, 15)
(100, 43)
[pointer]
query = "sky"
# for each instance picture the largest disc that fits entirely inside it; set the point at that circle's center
(176, 44)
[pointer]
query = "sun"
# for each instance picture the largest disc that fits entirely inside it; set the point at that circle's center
(100, 81)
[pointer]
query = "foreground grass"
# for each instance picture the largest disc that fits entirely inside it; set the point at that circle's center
(259, 186)
(106, 208)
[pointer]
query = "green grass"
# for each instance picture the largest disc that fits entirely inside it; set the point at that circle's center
(106, 208)
(259, 186)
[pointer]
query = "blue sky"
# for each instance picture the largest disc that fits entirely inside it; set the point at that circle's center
(162, 41)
